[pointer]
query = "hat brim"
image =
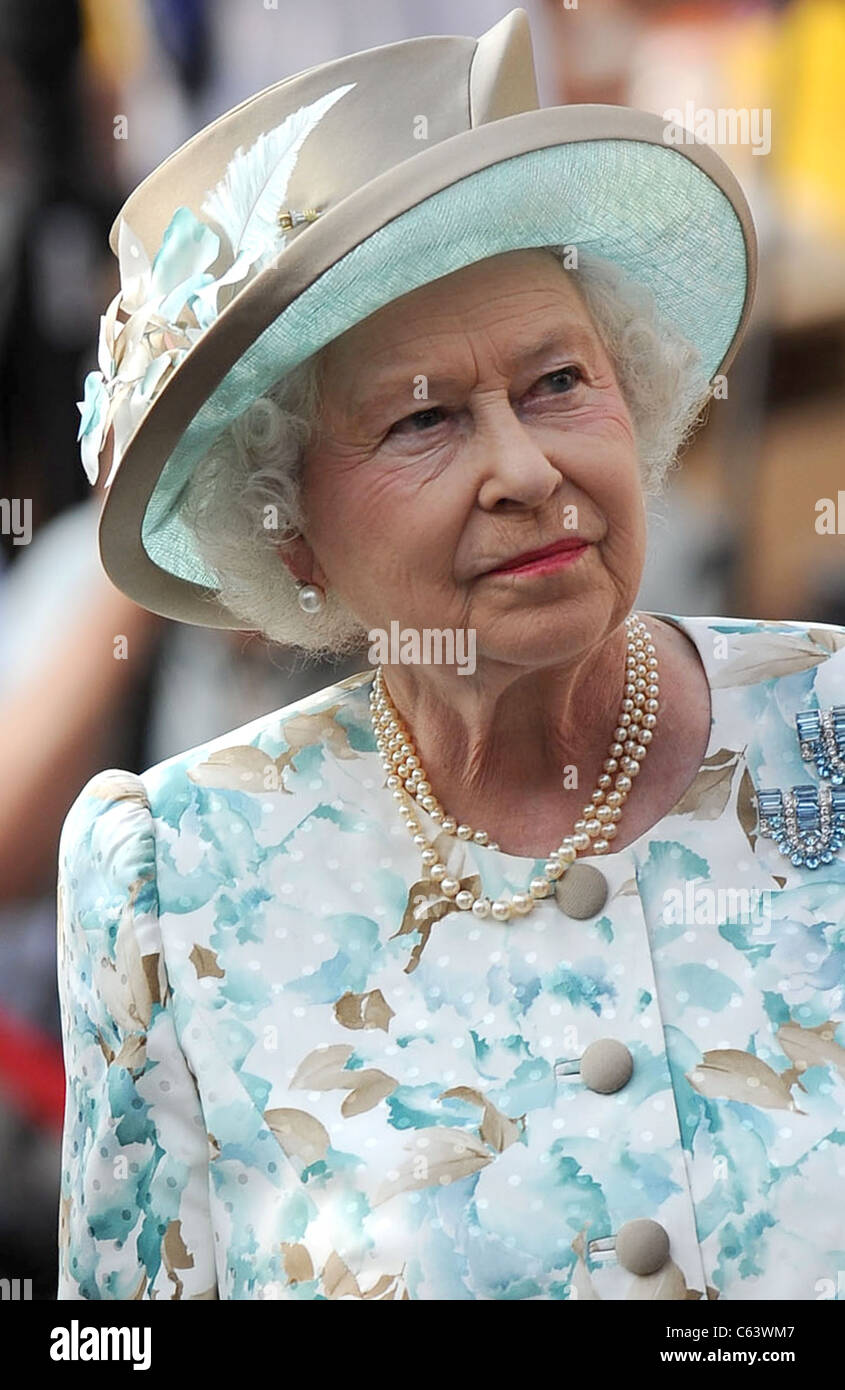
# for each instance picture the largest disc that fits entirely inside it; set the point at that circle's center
(606, 179)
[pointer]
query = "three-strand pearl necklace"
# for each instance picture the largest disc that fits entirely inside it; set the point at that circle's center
(597, 826)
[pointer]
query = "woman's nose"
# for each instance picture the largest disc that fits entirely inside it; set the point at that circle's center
(512, 464)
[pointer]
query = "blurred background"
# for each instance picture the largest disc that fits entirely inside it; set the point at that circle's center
(740, 531)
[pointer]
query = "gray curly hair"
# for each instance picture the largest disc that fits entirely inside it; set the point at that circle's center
(243, 499)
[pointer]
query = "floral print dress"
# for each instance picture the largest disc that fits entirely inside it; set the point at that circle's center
(295, 1071)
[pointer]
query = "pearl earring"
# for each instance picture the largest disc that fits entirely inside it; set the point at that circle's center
(311, 597)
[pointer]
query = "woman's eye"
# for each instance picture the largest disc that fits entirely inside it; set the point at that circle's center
(562, 380)
(421, 420)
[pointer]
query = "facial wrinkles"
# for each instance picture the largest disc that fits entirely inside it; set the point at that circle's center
(474, 342)
(433, 329)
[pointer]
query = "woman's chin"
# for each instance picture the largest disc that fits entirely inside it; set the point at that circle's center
(536, 639)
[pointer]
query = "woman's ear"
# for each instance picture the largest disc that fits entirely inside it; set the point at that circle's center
(301, 561)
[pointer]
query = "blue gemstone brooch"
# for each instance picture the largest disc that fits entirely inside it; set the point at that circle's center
(821, 734)
(806, 823)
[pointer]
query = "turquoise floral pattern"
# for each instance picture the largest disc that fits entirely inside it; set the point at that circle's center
(295, 1071)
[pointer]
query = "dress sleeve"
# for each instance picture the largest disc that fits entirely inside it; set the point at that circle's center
(134, 1214)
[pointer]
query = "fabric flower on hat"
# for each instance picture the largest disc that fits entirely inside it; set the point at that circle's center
(136, 353)
(164, 306)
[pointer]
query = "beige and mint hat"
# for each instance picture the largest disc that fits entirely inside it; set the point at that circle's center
(322, 198)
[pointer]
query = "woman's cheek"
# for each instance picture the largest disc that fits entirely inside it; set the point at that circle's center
(415, 465)
(607, 415)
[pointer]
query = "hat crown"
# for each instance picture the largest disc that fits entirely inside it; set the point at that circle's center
(399, 98)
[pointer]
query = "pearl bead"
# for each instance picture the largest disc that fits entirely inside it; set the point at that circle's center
(310, 598)
(595, 828)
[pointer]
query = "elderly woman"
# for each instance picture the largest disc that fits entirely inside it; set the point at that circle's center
(510, 968)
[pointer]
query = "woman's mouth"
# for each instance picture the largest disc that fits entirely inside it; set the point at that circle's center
(545, 561)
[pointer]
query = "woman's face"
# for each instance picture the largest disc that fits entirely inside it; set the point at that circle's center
(469, 422)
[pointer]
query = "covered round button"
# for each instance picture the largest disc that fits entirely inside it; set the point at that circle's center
(642, 1246)
(582, 891)
(606, 1066)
